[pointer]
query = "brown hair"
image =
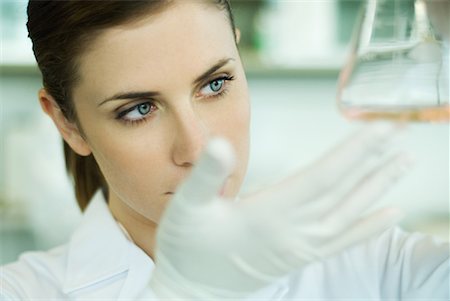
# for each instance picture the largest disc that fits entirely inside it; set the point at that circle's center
(60, 31)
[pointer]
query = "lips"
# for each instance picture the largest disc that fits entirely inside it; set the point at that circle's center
(221, 191)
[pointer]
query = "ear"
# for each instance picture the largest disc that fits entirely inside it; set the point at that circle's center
(237, 33)
(68, 130)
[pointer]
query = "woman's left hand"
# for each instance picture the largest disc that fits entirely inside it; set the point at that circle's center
(211, 248)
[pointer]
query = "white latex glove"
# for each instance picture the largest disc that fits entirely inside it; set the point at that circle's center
(210, 248)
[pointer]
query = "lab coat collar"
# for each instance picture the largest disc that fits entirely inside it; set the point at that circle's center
(99, 250)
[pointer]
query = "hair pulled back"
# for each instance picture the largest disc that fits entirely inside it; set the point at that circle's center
(60, 32)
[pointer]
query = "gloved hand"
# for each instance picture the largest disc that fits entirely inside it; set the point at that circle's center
(210, 248)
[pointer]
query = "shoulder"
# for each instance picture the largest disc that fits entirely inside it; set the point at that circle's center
(396, 246)
(94, 262)
(407, 259)
(394, 263)
(413, 265)
(33, 273)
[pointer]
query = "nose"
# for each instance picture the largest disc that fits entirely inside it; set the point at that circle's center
(190, 138)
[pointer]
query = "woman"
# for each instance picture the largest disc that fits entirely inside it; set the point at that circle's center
(138, 91)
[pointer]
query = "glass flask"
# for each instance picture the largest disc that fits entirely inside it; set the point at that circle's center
(398, 65)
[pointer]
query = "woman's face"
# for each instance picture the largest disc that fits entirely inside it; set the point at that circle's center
(153, 92)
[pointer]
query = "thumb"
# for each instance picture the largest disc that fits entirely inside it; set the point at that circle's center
(209, 174)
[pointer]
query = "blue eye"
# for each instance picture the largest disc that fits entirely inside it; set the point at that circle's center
(144, 108)
(215, 87)
(137, 112)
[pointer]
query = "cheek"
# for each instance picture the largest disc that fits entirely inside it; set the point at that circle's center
(237, 119)
(233, 122)
(236, 128)
(235, 106)
(129, 169)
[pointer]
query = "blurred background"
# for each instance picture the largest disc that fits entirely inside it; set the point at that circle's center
(292, 51)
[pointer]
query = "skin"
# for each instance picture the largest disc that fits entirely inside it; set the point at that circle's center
(144, 162)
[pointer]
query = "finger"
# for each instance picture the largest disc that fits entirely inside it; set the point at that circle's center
(209, 173)
(367, 191)
(370, 141)
(362, 229)
(334, 166)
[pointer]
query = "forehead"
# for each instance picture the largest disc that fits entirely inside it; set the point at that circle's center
(183, 39)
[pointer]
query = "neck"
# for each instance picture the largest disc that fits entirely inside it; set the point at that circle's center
(141, 230)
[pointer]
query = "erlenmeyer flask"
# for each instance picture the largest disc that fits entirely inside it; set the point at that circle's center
(398, 67)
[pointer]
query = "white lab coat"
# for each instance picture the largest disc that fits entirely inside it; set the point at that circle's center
(99, 262)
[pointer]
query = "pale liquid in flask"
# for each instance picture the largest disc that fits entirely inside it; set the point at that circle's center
(396, 86)
(432, 114)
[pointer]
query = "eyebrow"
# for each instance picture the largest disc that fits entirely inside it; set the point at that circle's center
(211, 70)
(151, 94)
(130, 95)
